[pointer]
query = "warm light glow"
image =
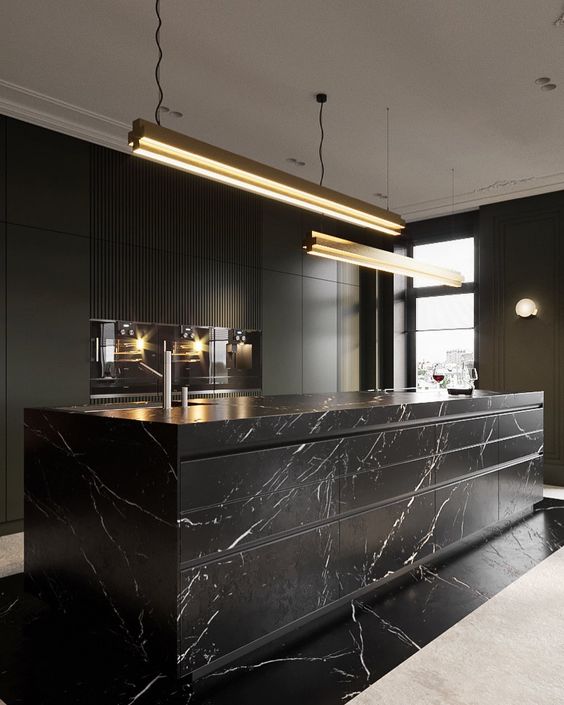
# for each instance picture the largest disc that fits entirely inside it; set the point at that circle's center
(336, 248)
(198, 346)
(526, 308)
(182, 152)
(140, 344)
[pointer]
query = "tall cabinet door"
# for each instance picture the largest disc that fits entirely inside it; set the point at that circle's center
(48, 301)
(2, 372)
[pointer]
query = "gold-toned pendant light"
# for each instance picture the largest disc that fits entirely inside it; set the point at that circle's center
(179, 151)
(342, 250)
(331, 247)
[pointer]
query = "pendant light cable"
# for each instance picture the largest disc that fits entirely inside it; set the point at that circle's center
(387, 159)
(321, 99)
(158, 65)
(452, 202)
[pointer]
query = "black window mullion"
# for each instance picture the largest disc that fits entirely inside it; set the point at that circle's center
(413, 293)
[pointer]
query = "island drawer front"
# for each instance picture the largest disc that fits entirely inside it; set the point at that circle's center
(215, 480)
(387, 483)
(234, 601)
(466, 461)
(519, 446)
(224, 526)
(520, 422)
(384, 540)
(466, 432)
(520, 486)
(466, 507)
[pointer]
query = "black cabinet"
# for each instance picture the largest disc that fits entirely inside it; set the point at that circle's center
(2, 368)
(384, 540)
(48, 297)
(520, 422)
(226, 478)
(224, 526)
(465, 508)
(519, 446)
(3, 127)
(283, 236)
(282, 332)
(466, 461)
(468, 432)
(48, 179)
(320, 341)
(244, 525)
(520, 486)
(234, 601)
(385, 483)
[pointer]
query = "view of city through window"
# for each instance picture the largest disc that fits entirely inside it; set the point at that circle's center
(445, 323)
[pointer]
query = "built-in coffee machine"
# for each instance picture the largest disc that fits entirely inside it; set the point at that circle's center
(127, 360)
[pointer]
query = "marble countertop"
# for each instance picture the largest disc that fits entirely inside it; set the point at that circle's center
(244, 408)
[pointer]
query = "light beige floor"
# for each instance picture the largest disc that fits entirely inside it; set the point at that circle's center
(508, 651)
(554, 492)
(11, 555)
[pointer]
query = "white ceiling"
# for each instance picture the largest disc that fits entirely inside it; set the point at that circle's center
(458, 77)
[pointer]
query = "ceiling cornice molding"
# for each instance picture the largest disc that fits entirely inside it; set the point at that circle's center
(39, 109)
(472, 200)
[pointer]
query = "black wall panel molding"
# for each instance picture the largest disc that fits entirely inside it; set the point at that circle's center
(459, 224)
(521, 255)
(168, 247)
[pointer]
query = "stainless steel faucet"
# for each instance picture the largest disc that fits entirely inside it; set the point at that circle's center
(166, 377)
(167, 380)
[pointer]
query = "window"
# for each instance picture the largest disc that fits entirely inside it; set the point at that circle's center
(442, 319)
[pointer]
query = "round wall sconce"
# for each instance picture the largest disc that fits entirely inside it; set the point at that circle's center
(526, 308)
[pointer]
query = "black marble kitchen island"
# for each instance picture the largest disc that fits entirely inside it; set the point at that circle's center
(199, 534)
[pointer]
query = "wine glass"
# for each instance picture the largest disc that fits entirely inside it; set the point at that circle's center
(473, 376)
(438, 374)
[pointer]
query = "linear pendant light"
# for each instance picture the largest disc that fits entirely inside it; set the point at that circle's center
(182, 152)
(331, 247)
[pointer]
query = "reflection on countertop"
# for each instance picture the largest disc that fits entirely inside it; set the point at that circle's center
(421, 404)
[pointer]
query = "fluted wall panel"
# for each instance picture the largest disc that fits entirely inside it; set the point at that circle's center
(168, 247)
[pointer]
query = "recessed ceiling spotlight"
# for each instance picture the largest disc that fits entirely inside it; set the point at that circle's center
(542, 80)
(172, 113)
(548, 87)
(295, 162)
(559, 21)
(380, 195)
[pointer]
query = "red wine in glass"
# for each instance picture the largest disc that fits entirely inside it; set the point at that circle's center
(438, 377)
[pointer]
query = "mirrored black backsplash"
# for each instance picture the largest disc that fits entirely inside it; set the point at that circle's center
(126, 359)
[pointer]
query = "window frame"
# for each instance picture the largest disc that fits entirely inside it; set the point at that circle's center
(412, 294)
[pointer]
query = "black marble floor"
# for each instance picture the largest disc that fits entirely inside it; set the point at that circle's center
(44, 661)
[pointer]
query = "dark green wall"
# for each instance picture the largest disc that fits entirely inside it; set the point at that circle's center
(522, 256)
(89, 232)
(45, 287)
